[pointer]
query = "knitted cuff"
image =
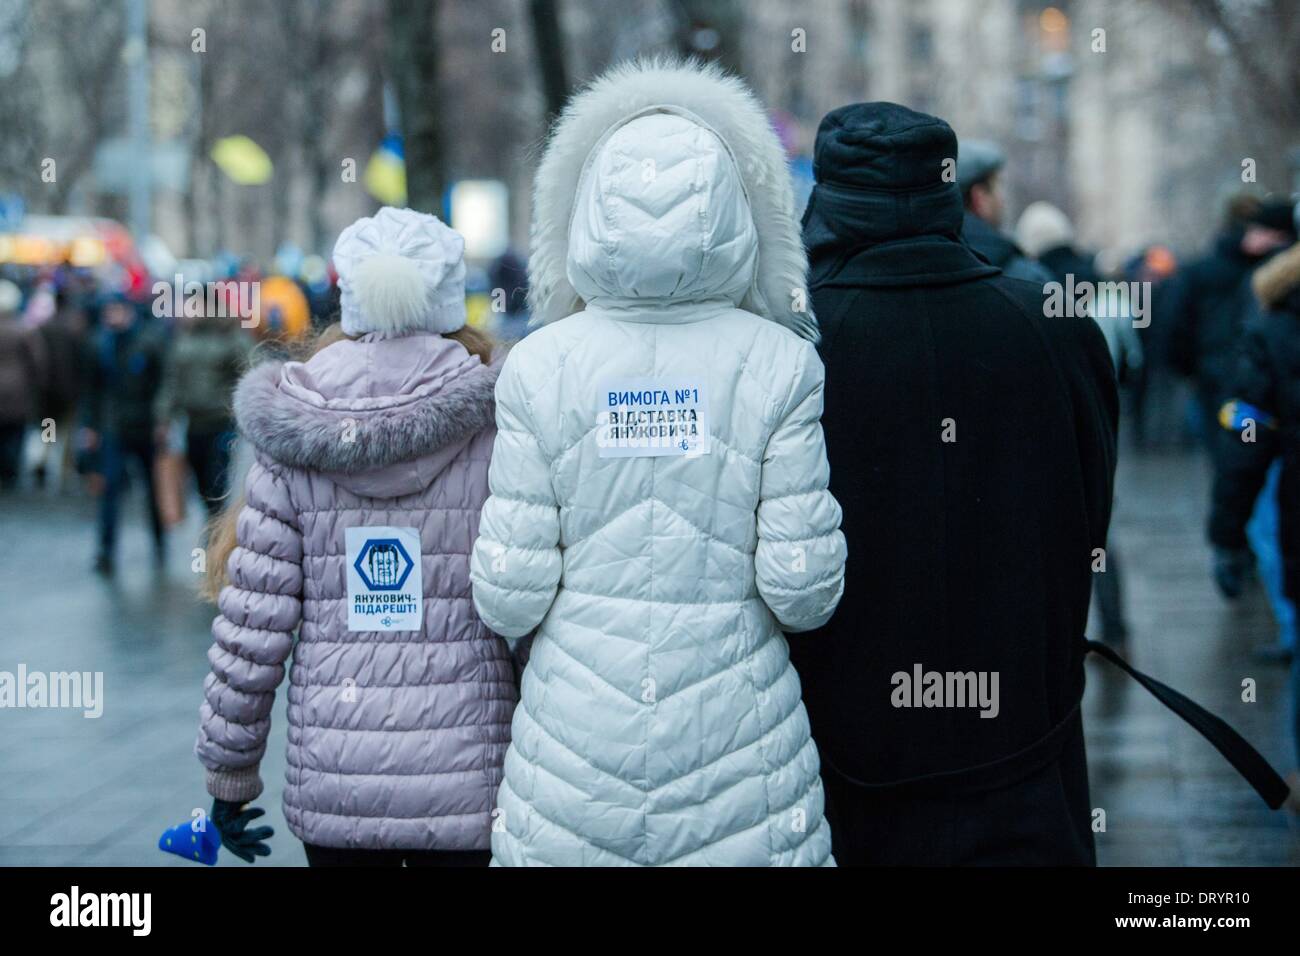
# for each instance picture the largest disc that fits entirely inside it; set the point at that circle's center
(237, 786)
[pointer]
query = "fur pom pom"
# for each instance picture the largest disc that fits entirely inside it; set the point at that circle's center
(391, 292)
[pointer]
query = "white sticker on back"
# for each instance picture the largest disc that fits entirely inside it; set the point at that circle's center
(640, 418)
(385, 580)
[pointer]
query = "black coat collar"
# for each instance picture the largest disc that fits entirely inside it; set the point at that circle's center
(917, 261)
(888, 237)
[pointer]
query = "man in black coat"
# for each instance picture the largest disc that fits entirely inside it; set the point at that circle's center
(1208, 300)
(1207, 310)
(1262, 422)
(979, 174)
(972, 447)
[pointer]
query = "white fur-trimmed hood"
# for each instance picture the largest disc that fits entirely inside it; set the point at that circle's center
(730, 110)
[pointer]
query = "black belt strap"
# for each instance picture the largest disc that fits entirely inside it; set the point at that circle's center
(1248, 761)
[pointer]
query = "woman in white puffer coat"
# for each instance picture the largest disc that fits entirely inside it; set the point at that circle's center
(658, 508)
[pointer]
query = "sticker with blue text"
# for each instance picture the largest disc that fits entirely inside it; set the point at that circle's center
(640, 418)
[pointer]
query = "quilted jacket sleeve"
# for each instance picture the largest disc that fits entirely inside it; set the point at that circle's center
(801, 551)
(253, 636)
(515, 567)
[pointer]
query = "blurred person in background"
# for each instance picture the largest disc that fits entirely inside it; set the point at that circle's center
(284, 317)
(1153, 391)
(509, 274)
(1262, 426)
(64, 336)
(201, 368)
(979, 175)
(1046, 234)
(1212, 303)
(125, 362)
(22, 370)
(1206, 300)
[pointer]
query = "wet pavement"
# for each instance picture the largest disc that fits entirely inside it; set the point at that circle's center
(99, 791)
(1169, 797)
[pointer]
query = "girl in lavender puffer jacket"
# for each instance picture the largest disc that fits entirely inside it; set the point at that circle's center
(359, 515)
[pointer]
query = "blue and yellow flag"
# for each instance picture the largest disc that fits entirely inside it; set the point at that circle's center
(1235, 414)
(385, 175)
(242, 160)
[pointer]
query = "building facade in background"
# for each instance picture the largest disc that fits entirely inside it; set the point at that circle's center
(1131, 115)
(1138, 132)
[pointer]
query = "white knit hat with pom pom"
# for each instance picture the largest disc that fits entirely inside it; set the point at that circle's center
(400, 271)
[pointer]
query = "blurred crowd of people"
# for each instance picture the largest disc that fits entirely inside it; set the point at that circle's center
(107, 384)
(97, 384)
(1218, 364)
(1209, 341)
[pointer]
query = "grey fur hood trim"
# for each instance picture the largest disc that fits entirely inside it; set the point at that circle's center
(304, 435)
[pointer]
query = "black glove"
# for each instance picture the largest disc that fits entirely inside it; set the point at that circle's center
(232, 822)
(520, 653)
(1230, 570)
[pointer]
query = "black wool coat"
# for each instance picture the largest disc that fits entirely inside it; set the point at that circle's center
(1204, 308)
(972, 448)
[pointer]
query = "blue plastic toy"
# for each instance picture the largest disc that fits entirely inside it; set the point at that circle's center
(184, 840)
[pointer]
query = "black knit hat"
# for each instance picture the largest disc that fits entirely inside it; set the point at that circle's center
(883, 172)
(885, 146)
